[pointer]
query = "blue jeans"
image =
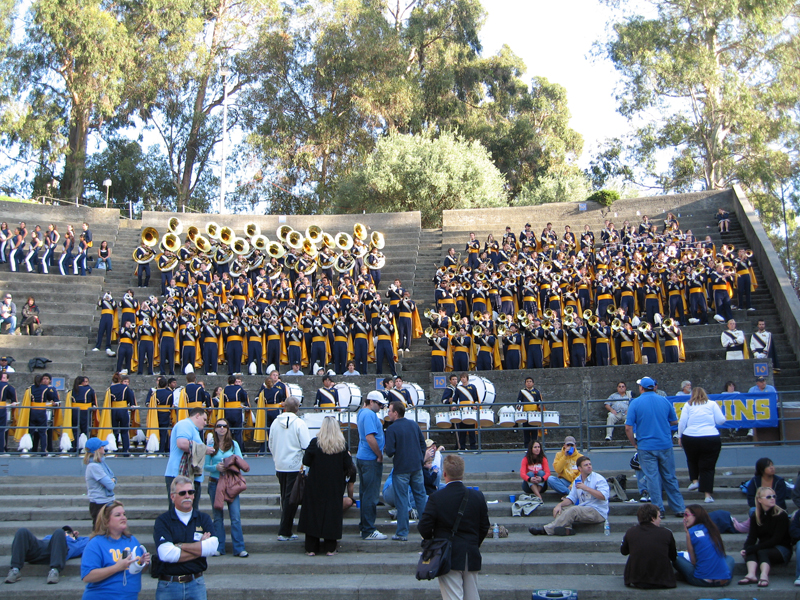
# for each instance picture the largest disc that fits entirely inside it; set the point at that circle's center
(388, 494)
(686, 568)
(370, 473)
(641, 482)
(797, 567)
(172, 590)
(401, 483)
(12, 323)
(526, 487)
(558, 485)
(219, 524)
(658, 467)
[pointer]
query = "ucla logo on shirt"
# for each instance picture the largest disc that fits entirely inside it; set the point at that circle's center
(116, 555)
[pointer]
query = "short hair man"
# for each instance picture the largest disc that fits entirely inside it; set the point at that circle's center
(369, 461)
(761, 386)
(54, 549)
(406, 445)
(617, 407)
(762, 345)
(651, 418)
(438, 520)
(587, 502)
(288, 439)
(295, 372)
(733, 341)
(565, 465)
(653, 569)
(686, 389)
(186, 433)
(184, 538)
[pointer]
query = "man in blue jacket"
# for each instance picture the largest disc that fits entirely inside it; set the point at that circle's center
(406, 445)
(55, 549)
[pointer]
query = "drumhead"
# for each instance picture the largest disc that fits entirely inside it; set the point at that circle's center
(413, 392)
(296, 391)
(490, 392)
(420, 398)
(479, 384)
(343, 391)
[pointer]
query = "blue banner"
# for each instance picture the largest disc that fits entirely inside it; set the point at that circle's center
(745, 411)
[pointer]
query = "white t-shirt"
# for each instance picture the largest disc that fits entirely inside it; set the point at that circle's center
(698, 420)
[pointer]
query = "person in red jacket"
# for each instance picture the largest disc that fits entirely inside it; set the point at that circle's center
(534, 470)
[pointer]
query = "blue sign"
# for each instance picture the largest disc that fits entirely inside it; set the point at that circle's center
(761, 369)
(379, 384)
(742, 411)
(439, 382)
(59, 383)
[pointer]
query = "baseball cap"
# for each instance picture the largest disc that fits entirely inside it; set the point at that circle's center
(376, 396)
(646, 383)
(759, 378)
(3, 358)
(569, 440)
(93, 444)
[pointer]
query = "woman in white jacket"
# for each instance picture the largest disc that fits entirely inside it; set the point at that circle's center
(699, 437)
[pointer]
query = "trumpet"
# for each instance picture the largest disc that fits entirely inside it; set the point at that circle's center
(547, 324)
(611, 309)
(569, 311)
(477, 330)
(666, 323)
(587, 314)
(748, 253)
(616, 325)
(252, 229)
(174, 225)
(476, 315)
(428, 314)
(501, 330)
(644, 328)
(429, 332)
(466, 286)
(521, 314)
(456, 317)
(593, 320)
(150, 236)
(549, 315)
(568, 321)
(503, 318)
(452, 330)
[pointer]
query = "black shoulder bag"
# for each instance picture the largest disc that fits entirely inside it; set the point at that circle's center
(435, 558)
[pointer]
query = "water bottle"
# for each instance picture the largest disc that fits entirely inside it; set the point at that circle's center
(606, 528)
(496, 531)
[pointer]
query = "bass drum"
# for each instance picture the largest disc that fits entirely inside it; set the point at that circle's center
(486, 391)
(295, 390)
(416, 392)
(443, 420)
(349, 395)
(348, 419)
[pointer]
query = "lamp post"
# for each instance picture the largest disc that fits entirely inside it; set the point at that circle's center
(224, 74)
(107, 183)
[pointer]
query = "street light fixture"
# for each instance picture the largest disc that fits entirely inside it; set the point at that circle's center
(107, 183)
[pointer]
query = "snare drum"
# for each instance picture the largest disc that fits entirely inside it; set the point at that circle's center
(505, 417)
(455, 416)
(423, 419)
(534, 417)
(520, 417)
(348, 419)
(469, 416)
(349, 395)
(443, 420)
(314, 422)
(382, 414)
(487, 417)
(551, 418)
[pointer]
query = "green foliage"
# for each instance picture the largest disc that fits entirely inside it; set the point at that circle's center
(604, 197)
(568, 186)
(419, 172)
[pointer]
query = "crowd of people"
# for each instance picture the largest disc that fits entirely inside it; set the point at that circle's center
(571, 300)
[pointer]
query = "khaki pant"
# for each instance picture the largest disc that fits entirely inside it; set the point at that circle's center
(574, 514)
(459, 585)
(611, 420)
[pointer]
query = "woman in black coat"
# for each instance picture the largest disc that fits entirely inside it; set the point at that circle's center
(329, 464)
(651, 549)
(768, 541)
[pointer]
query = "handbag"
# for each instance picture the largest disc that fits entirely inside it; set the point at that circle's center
(435, 557)
(296, 495)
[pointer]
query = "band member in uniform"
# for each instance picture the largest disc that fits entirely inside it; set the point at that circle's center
(512, 348)
(673, 342)
(744, 282)
(720, 282)
(398, 392)
(210, 336)
(108, 317)
(577, 344)
(161, 400)
(535, 338)
(167, 331)
(384, 348)
(255, 343)
(234, 348)
(122, 400)
(762, 347)
(466, 394)
(734, 343)
(462, 350)
(438, 346)
(8, 399)
(234, 400)
(484, 344)
(529, 399)
(127, 339)
(84, 402)
(146, 334)
(327, 395)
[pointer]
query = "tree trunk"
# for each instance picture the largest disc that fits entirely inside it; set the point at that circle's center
(72, 180)
(192, 143)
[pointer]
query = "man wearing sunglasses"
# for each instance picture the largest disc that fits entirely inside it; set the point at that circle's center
(184, 538)
(185, 434)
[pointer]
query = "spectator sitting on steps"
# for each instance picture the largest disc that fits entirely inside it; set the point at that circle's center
(565, 465)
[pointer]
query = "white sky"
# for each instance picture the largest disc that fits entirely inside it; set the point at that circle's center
(554, 39)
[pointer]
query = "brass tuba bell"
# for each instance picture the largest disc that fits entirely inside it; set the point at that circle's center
(314, 234)
(344, 241)
(226, 235)
(150, 236)
(377, 240)
(275, 250)
(192, 233)
(294, 239)
(252, 229)
(202, 244)
(212, 230)
(240, 246)
(360, 231)
(171, 242)
(260, 242)
(174, 225)
(282, 232)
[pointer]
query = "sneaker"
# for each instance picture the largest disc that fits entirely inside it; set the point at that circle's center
(399, 538)
(708, 500)
(110, 352)
(211, 374)
(95, 349)
(694, 321)
(376, 535)
(283, 538)
(52, 576)
(123, 372)
(243, 554)
(797, 581)
(719, 318)
(644, 498)
(693, 486)
(13, 575)
(750, 309)
(400, 352)
(608, 438)
(393, 513)
(413, 515)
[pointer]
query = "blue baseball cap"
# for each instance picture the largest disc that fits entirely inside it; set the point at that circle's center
(94, 444)
(647, 383)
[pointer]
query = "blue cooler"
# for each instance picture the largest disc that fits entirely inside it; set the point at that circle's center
(555, 595)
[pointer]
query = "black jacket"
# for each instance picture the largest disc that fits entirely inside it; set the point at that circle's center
(440, 515)
(652, 550)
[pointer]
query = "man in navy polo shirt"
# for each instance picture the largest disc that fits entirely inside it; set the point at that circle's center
(651, 417)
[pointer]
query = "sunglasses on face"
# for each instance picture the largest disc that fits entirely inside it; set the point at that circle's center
(185, 493)
(223, 426)
(771, 497)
